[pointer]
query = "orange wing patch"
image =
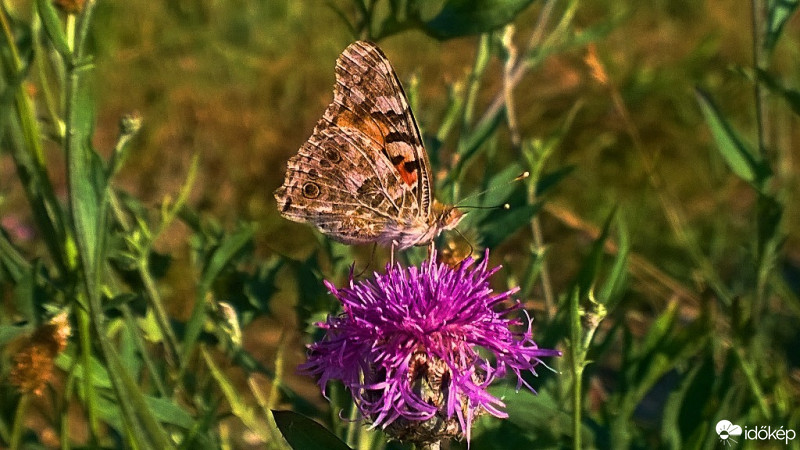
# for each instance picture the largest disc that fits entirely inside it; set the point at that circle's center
(408, 171)
(366, 125)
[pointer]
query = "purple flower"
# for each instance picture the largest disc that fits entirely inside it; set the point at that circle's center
(418, 348)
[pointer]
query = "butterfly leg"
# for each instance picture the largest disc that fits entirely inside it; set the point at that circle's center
(391, 253)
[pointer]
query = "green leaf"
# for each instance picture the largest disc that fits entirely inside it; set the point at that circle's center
(498, 190)
(303, 433)
(468, 17)
(10, 332)
(778, 13)
(167, 411)
(591, 265)
(791, 96)
(100, 379)
(11, 260)
(52, 26)
(660, 328)
(551, 179)
(25, 295)
(684, 411)
(737, 154)
(240, 408)
(87, 184)
(222, 256)
(530, 411)
(502, 224)
(469, 145)
(219, 258)
(614, 285)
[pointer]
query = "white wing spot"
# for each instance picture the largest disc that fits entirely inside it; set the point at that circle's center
(388, 104)
(357, 95)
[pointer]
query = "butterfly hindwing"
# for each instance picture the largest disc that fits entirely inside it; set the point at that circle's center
(334, 183)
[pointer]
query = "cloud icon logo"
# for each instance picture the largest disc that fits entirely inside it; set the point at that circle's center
(726, 430)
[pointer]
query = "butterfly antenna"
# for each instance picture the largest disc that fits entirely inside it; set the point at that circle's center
(519, 177)
(503, 206)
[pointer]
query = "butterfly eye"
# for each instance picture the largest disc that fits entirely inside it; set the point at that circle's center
(451, 218)
(311, 190)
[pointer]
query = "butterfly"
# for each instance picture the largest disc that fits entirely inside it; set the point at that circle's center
(364, 175)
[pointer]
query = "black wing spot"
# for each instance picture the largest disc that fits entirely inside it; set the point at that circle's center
(286, 205)
(369, 186)
(397, 136)
(397, 159)
(411, 166)
(377, 200)
(313, 173)
(311, 190)
(333, 155)
(325, 164)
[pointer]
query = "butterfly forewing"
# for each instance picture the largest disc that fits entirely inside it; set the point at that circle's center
(363, 176)
(369, 98)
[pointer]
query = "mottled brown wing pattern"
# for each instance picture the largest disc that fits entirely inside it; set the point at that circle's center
(369, 99)
(363, 176)
(333, 183)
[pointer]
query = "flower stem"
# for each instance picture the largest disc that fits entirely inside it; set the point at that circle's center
(576, 359)
(19, 421)
(756, 14)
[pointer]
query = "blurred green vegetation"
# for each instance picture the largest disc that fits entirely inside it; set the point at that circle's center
(690, 269)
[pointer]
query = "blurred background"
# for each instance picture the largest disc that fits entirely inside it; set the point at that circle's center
(242, 83)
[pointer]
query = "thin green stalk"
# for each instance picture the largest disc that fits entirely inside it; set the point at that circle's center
(510, 66)
(576, 354)
(170, 340)
(752, 381)
(19, 421)
(482, 57)
(508, 88)
(12, 46)
(45, 86)
(756, 17)
(63, 407)
(143, 352)
(541, 24)
(353, 425)
(267, 403)
(524, 64)
(143, 266)
(90, 395)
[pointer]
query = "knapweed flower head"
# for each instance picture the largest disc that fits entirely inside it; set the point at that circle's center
(418, 348)
(34, 362)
